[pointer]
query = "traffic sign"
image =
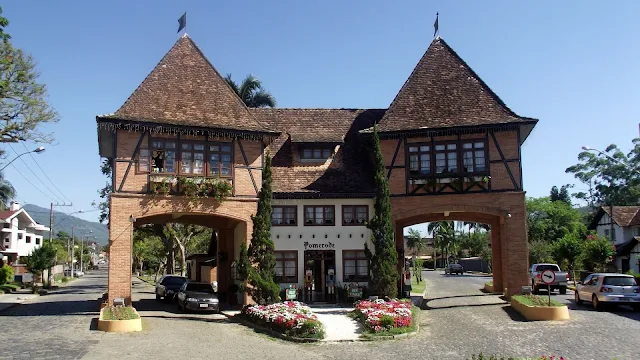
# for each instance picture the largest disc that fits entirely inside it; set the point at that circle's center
(548, 277)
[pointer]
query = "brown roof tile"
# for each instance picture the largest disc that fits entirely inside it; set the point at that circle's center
(443, 91)
(7, 214)
(624, 215)
(315, 125)
(350, 171)
(185, 89)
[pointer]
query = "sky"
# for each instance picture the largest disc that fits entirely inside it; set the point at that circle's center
(571, 64)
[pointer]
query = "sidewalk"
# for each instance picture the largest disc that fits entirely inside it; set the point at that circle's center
(10, 300)
(337, 325)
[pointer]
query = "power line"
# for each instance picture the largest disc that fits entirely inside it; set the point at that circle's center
(45, 173)
(34, 174)
(29, 181)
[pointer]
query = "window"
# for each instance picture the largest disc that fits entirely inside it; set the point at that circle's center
(220, 159)
(143, 160)
(192, 158)
(315, 152)
(446, 158)
(319, 215)
(356, 265)
(20, 236)
(7, 225)
(284, 216)
(636, 231)
(420, 159)
(355, 215)
(473, 157)
(613, 234)
(28, 239)
(38, 241)
(163, 156)
(287, 266)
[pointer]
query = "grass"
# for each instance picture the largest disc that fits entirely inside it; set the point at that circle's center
(417, 288)
(415, 314)
(7, 288)
(489, 283)
(535, 300)
(147, 278)
(119, 313)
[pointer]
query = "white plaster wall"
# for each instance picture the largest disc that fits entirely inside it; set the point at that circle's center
(342, 237)
(622, 234)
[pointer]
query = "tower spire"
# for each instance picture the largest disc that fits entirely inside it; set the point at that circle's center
(435, 25)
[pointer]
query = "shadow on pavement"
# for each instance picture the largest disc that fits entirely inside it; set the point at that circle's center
(54, 308)
(514, 315)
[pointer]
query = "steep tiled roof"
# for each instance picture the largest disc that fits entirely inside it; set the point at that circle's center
(315, 125)
(443, 91)
(624, 215)
(350, 172)
(185, 89)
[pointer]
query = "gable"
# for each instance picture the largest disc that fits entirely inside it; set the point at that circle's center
(185, 89)
(443, 91)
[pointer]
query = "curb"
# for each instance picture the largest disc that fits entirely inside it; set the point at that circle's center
(270, 332)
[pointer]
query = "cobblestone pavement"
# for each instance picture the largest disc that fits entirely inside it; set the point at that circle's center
(460, 321)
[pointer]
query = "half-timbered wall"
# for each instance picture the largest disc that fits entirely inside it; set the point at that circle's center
(247, 160)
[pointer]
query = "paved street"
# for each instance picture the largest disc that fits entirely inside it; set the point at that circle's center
(460, 320)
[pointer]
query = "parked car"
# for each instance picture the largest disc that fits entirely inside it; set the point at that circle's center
(78, 273)
(608, 288)
(198, 296)
(454, 269)
(168, 285)
(535, 276)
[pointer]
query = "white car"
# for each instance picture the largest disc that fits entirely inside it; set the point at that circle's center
(608, 288)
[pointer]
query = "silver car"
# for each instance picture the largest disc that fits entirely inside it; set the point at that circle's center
(608, 288)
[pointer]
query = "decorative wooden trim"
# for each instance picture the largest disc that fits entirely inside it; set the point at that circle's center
(135, 153)
(113, 161)
(393, 160)
(513, 179)
(507, 160)
(520, 157)
(246, 161)
(233, 168)
(451, 193)
(486, 138)
(407, 165)
(247, 167)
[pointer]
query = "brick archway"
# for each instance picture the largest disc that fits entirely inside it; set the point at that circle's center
(504, 212)
(230, 218)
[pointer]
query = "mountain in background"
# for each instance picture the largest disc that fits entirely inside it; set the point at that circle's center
(64, 222)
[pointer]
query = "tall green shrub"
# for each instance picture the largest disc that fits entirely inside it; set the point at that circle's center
(41, 259)
(597, 252)
(384, 258)
(258, 264)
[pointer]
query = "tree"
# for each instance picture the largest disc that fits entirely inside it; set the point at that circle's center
(147, 248)
(23, 100)
(549, 221)
(442, 235)
(251, 92)
(258, 263)
(7, 192)
(597, 252)
(41, 259)
(182, 234)
(540, 252)
(561, 194)
(3, 24)
(475, 243)
(384, 258)
(105, 192)
(415, 242)
(569, 248)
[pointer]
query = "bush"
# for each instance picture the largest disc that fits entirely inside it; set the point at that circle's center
(382, 316)
(291, 318)
(64, 280)
(119, 313)
(6, 274)
(535, 300)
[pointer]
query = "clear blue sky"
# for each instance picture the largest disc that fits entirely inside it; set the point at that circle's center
(572, 64)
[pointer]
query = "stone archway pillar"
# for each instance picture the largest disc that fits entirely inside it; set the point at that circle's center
(399, 238)
(120, 253)
(496, 255)
(516, 263)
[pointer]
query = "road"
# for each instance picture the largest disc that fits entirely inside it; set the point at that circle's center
(459, 321)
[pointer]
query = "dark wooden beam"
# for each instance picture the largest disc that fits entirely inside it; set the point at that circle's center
(504, 161)
(393, 160)
(507, 160)
(246, 162)
(520, 158)
(135, 153)
(406, 172)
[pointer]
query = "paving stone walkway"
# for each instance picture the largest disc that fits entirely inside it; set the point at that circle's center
(337, 325)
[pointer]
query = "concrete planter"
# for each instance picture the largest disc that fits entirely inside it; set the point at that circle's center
(488, 288)
(119, 325)
(541, 313)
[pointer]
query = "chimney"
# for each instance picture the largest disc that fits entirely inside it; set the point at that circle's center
(15, 206)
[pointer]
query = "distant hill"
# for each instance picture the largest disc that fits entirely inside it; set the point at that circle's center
(64, 222)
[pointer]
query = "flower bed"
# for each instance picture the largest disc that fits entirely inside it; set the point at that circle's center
(291, 318)
(119, 319)
(380, 316)
(534, 307)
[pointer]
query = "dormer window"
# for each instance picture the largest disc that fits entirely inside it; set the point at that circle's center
(315, 152)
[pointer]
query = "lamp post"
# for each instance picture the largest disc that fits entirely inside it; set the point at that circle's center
(37, 150)
(73, 242)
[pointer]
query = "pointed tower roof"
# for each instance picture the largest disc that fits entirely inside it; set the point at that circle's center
(185, 89)
(442, 92)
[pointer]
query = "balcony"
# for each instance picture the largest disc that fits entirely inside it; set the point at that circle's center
(191, 186)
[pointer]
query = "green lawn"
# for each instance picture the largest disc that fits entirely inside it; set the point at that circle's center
(415, 287)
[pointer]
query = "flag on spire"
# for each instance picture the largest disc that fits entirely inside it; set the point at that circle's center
(182, 22)
(435, 26)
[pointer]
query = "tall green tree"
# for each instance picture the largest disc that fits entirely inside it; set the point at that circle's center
(384, 259)
(549, 221)
(7, 192)
(105, 193)
(561, 194)
(258, 263)
(597, 253)
(251, 92)
(415, 242)
(40, 259)
(569, 248)
(3, 24)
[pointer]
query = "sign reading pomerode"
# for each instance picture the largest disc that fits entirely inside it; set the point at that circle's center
(328, 245)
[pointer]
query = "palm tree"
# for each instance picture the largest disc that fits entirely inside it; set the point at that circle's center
(7, 192)
(251, 92)
(442, 234)
(415, 241)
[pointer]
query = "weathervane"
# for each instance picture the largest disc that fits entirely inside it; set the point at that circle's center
(435, 25)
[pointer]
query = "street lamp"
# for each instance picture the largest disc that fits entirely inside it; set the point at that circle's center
(38, 150)
(587, 148)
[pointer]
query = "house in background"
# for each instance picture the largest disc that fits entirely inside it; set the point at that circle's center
(20, 235)
(624, 234)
